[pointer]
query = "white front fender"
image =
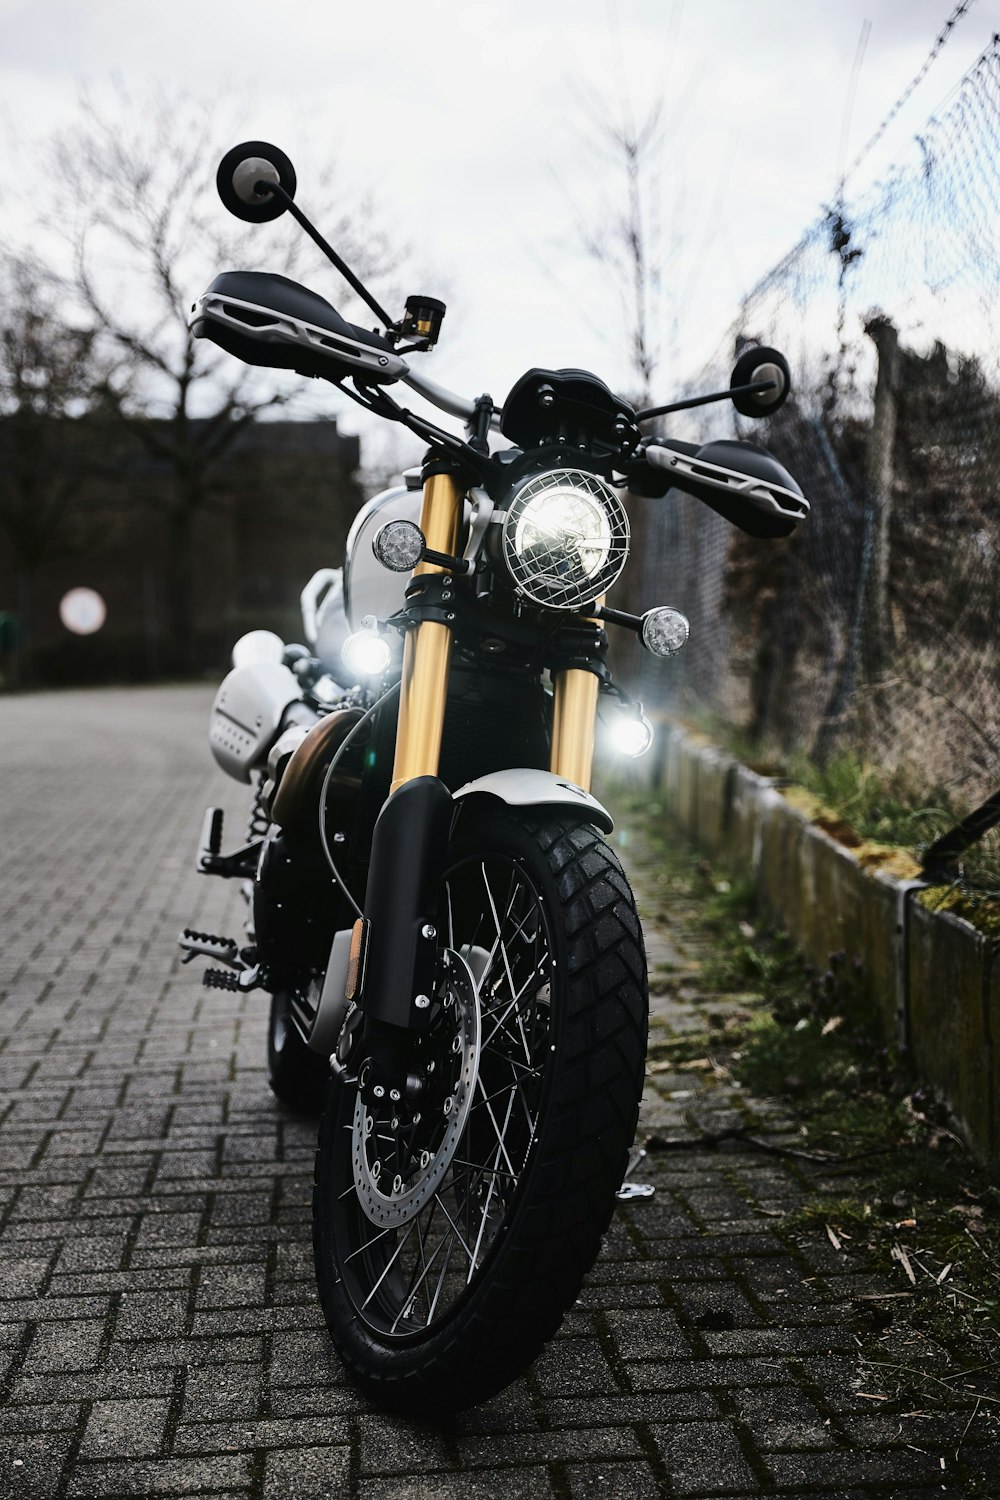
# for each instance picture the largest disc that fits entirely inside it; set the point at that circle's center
(527, 788)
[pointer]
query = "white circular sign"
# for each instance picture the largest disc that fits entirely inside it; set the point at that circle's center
(82, 611)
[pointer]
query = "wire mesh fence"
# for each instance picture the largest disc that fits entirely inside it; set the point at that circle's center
(872, 632)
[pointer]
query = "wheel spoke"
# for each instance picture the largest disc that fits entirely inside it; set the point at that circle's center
(482, 1227)
(416, 1282)
(496, 919)
(450, 1242)
(390, 1262)
(511, 1007)
(484, 1171)
(455, 1228)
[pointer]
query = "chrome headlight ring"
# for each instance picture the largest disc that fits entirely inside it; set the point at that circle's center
(565, 538)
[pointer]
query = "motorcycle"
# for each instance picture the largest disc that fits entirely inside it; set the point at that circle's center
(452, 948)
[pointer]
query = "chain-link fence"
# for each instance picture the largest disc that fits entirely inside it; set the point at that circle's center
(875, 630)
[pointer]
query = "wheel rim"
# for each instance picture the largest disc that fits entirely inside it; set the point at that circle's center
(407, 1277)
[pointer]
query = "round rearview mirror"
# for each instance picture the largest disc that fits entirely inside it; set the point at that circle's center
(245, 179)
(756, 364)
(399, 546)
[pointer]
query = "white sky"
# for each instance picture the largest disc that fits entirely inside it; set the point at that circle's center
(463, 121)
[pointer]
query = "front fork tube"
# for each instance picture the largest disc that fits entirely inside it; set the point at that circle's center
(574, 723)
(410, 840)
(427, 650)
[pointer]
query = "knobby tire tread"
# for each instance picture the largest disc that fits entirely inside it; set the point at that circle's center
(567, 1196)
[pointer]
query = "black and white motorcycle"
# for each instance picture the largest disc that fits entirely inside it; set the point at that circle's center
(453, 955)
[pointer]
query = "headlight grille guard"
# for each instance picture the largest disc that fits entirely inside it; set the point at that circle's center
(550, 590)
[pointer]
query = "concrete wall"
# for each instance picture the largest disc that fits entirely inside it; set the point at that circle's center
(930, 978)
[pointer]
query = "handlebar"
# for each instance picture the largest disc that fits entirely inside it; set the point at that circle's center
(442, 398)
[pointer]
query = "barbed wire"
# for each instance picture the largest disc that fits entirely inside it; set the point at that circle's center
(940, 42)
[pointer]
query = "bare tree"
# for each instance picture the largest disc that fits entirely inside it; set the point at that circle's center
(625, 240)
(135, 198)
(54, 419)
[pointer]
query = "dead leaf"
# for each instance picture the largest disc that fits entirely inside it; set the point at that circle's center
(941, 1276)
(832, 1237)
(898, 1253)
(907, 1224)
(696, 1064)
(832, 1025)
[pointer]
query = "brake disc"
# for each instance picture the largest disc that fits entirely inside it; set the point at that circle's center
(401, 1155)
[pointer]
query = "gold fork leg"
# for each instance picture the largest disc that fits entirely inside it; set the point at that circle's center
(427, 652)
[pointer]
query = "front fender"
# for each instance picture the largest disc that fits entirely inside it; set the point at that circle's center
(523, 787)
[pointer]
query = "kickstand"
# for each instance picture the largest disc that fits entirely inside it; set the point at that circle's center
(629, 1191)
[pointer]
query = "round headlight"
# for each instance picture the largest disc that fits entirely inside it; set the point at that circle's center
(565, 538)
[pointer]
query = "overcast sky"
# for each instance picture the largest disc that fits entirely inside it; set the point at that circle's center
(466, 123)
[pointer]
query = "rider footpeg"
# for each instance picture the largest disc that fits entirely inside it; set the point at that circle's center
(210, 861)
(220, 979)
(248, 973)
(208, 945)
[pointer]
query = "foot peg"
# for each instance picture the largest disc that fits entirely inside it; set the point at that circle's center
(207, 945)
(241, 863)
(220, 979)
(247, 974)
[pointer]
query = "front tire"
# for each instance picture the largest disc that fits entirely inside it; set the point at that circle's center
(438, 1311)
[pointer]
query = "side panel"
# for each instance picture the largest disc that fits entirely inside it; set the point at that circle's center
(247, 713)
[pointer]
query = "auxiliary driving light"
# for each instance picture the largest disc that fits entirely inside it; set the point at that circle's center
(367, 653)
(257, 646)
(664, 630)
(631, 733)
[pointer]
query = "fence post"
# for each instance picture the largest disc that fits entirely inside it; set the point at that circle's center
(875, 619)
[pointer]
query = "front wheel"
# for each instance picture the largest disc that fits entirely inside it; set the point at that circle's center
(452, 1232)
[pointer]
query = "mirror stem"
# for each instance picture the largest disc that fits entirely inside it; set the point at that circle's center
(736, 390)
(330, 253)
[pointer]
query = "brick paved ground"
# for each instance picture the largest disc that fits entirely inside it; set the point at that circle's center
(159, 1332)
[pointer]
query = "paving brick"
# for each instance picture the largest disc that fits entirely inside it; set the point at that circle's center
(612, 1481)
(898, 1467)
(702, 1458)
(64, 1346)
(163, 1477)
(124, 1429)
(487, 1484)
(307, 1473)
(31, 1463)
(652, 1334)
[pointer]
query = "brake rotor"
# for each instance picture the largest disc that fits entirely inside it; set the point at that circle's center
(401, 1153)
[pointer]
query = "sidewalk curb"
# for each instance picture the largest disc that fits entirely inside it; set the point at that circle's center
(930, 977)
